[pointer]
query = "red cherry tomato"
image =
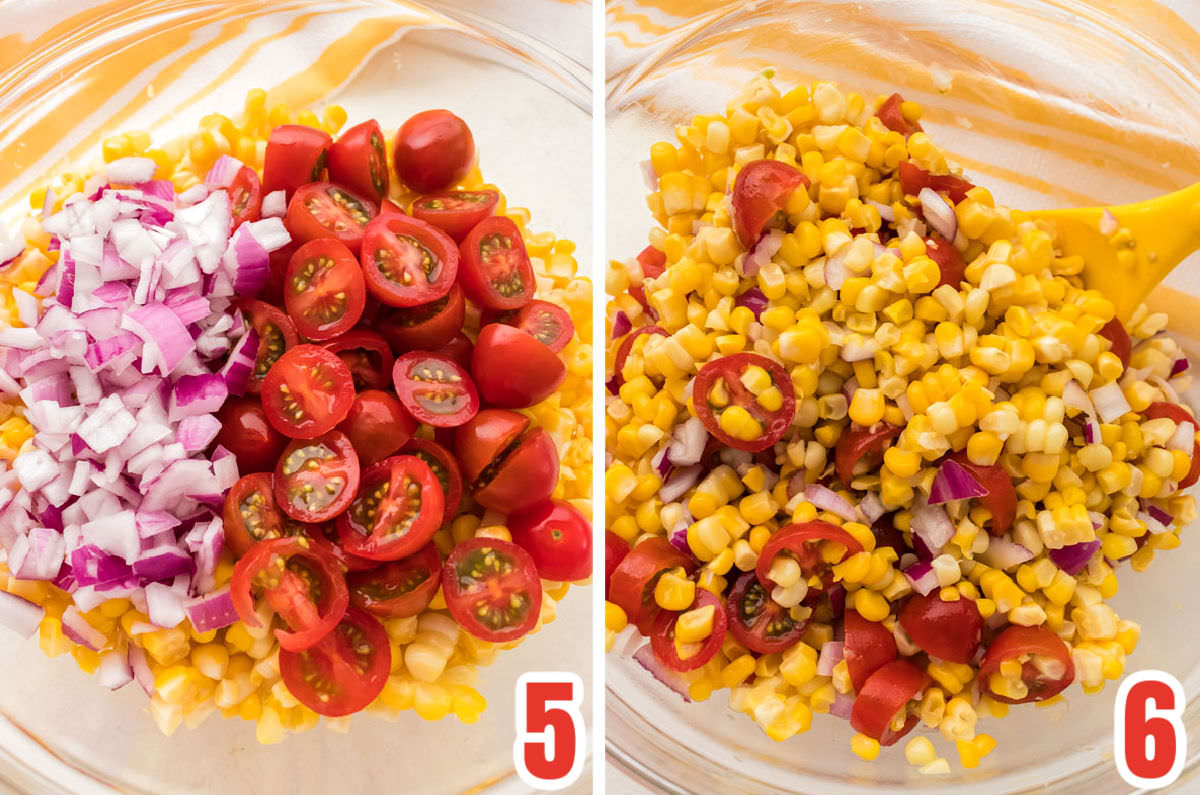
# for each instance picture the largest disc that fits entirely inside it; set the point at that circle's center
(913, 178)
(626, 348)
(324, 210)
(662, 635)
(492, 589)
(558, 537)
(862, 448)
(889, 113)
(868, 647)
(486, 437)
(408, 262)
(521, 477)
(434, 150)
(496, 272)
(250, 513)
(445, 469)
(316, 479)
(760, 192)
(245, 196)
(434, 389)
(425, 327)
(652, 261)
(885, 693)
(1042, 654)
(512, 369)
(615, 550)
(367, 355)
(1121, 345)
(802, 542)
(377, 425)
(307, 392)
(729, 370)
(323, 289)
(950, 631)
(631, 584)
(948, 260)
(343, 673)
(1180, 415)
(295, 156)
(276, 336)
(458, 349)
(272, 291)
(400, 588)
(456, 212)
(397, 511)
(547, 323)
(1001, 499)
(358, 160)
(246, 433)
(757, 621)
(301, 582)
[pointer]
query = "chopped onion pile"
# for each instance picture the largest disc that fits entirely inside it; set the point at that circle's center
(121, 375)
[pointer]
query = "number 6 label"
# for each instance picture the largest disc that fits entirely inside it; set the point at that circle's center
(1148, 736)
(550, 746)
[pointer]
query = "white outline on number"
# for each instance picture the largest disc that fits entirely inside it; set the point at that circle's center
(546, 738)
(1171, 716)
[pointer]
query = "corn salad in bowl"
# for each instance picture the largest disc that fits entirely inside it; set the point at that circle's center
(873, 450)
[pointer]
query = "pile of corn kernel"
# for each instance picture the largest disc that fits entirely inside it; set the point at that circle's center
(236, 670)
(1022, 324)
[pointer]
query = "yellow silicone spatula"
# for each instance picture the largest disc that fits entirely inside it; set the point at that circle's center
(1129, 249)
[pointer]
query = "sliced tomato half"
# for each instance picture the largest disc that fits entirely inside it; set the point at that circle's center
(862, 449)
(631, 584)
(307, 392)
(434, 389)
(662, 635)
(882, 697)
(316, 479)
(496, 272)
(397, 510)
(760, 193)
(276, 336)
(721, 385)
(426, 327)
(367, 355)
(456, 212)
(492, 589)
(400, 588)
(324, 210)
(343, 673)
(323, 289)
(445, 469)
(295, 155)
(408, 262)
(358, 160)
(1046, 664)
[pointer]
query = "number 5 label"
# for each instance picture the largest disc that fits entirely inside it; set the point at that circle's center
(551, 740)
(1148, 735)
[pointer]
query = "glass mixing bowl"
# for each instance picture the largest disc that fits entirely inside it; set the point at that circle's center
(1050, 103)
(75, 72)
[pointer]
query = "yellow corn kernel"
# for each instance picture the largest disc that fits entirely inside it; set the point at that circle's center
(864, 747)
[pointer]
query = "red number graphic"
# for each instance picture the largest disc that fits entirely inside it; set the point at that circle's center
(549, 749)
(1150, 743)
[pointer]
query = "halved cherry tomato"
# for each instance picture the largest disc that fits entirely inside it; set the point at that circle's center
(396, 512)
(307, 392)
(408, 262)
(367, 355)
(245, 196)
(1001, 499)
(246, 433)
(434, 150)
(324, 210)
(802, 542)
(653, 262)
(913, 178)
(1121, 345)
(547, 323)
(250, 512)
(757, 621)
(492, 589)
(558, 537)
(427, 326)
(728, 371)
(400, 588)
(276, 336)
(343, 673)
(434, 389)
(512, 369)
(316, 479)
(862, 448)
(485, 437)
(358, 160)
(301, 582)
(883, 695)
(323, 289)
(1180, 415)
(889, 113)
(325, 536)
(625, 349)
(456, 212)
(868, 647)
(495, 271)
(948, 260)
(662, 635)
(760, 193)
(615, 550)
(950, 631)
(295, 156)
(522, 476)
(631, 584)
(377, 425)
(389, 207)
(458, 350)
(272, 291)
(445, 469)
(1041, 654)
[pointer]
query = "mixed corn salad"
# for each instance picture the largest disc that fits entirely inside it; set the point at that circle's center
(873, 449)
(235, 670)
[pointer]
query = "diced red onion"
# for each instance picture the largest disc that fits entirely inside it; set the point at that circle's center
(679, 540)
(872, 507)
(662, 465)
(1074, 558)
(37, 555)
(754, 300)
(953, 482)
(1110, 402)
(621, 325)
(163, 563)
(142, 673)
(1162, 516)
(921, 577)
(762, 252)
(10, 250)
(197, 395)
(211, 611)
(835, 271)
(1108, 223)
(77, 628)
(131, 170)
(939, 214)
(1180, 365)
(20, 615)
(832, 653)
(223, 172)
(649, 175)
(114, 671)
(1074, 397)
(827, 499)
(1004, 554)
(681, 479)
(238, 367)
(164, 606)
(688, 442)
(672, 679)
(886, 212)
(1091, 431)
(274, 204)
(842, 706)
(1153, 525)
(932, 525)
(1184, 438)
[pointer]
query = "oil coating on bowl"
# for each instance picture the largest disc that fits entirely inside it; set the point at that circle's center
(1052, 103)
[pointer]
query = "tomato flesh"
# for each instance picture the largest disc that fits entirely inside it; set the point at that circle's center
(760, 193)
(377, 425)
(324, 210)
(547, 323)
(949, 261)
(247, 434)
(250, 513)
(358, 160)
(1001, 499)
(885, 693)
(296, 155)
(400, 588)
(558, 537)
(802, 542)
(1121, 345)
(521, 477)
(496, 272)
(367, 356)
(245, 196)
(324, 290)
(408, 262)
(862, 448)
(757, 621)
(345, 671)
(456, 212)
(316, 479)
(868, 647)
(631, 584)
(513, 369)
(726, 375)
(913, 178)
(950, 631)
(307, 392)
(1024, 644)
(1180, 415)
(426, 327)
(434, 389)
(396, 512)
(445, 469)
(492, 589)
(889, 113)
(615, 550)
